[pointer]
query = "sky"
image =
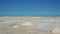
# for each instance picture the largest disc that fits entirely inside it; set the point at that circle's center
(29, 7)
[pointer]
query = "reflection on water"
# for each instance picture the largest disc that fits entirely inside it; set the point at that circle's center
(29, 25)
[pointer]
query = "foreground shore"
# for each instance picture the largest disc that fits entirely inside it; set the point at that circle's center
(28, 25)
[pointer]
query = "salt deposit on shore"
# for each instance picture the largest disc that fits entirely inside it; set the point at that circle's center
(29, 25)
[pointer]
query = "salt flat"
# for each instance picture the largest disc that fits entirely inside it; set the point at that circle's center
(28, 25)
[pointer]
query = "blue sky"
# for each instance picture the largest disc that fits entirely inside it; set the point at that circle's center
(29, 7)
